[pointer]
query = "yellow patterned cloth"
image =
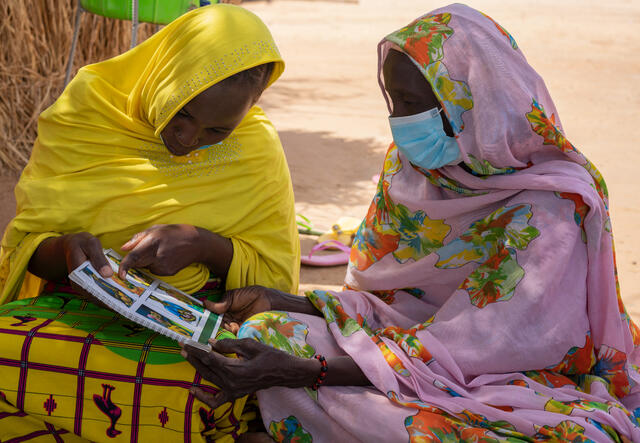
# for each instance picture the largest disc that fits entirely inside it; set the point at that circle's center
(69, 368)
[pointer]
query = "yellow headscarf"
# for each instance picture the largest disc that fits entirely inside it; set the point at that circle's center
(99, 165)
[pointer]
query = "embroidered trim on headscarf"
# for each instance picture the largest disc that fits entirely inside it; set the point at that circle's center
(229, 63)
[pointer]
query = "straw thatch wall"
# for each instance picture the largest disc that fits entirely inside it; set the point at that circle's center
(35, 38)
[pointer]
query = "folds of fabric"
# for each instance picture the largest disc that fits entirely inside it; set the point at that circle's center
(483, 302)
(98, 164)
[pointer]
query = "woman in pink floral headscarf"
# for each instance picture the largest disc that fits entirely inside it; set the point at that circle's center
(481, 300)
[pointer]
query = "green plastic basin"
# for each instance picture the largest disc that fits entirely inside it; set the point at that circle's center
(150, 11)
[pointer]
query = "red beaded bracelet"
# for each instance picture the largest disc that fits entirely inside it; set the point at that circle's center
(323, 372)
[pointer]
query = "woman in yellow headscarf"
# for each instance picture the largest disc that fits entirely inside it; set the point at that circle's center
(161, 154)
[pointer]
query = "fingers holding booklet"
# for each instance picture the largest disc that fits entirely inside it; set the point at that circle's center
(150, 302)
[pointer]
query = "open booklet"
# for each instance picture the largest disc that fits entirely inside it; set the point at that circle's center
(150, 302)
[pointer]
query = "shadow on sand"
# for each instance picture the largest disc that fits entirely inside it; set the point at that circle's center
(331, 170)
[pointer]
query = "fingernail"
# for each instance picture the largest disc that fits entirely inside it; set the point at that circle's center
(106, 271)
(183, 353)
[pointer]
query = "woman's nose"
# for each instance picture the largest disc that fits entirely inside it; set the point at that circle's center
(187, 135)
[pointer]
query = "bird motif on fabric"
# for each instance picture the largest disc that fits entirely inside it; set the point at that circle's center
(108, 408)
(23, 320)
(208, 419)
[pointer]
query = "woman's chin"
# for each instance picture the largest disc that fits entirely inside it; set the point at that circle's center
(179, 152)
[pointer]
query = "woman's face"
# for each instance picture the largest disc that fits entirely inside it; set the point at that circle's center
(409, 91)
(209, 117)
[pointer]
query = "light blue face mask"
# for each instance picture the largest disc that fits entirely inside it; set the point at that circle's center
(421, 138)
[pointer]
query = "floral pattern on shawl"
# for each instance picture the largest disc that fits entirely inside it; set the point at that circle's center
(580, 212)
(280, 331)
(491, 242)
(567, 407)
(289, 430)
(389, 296)
(566, 430)
(438, 179)
(333, 311)
(546, 127)
(503, 31)
(609, 431)
(407, 340)
(548, 378)
(424, 40)
(482, 168)
(424, 37)
(611, 366)
(392, 227)
(435, 424)
(579, 360)
(606, 365)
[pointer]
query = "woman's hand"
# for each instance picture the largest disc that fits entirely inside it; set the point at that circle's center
(81, 247)
(166, 249)
(238, 305)
(257, 367)
(56, 257)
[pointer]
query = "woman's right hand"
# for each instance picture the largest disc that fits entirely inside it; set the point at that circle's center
(84, 246)
(56, 257)
(237, 305)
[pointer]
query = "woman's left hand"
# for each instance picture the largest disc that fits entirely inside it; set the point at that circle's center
(163, 249)
(257, 367)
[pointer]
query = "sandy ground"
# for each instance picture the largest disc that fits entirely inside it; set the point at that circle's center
(332, 118)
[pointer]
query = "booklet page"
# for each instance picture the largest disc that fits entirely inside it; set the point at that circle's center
(150, 302)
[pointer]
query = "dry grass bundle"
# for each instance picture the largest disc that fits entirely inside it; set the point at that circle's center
(35, 38)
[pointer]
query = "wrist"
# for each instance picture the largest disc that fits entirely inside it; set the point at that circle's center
(324, 367)
(214, 251)
(276, 299)
(298, 372)
(308, 372)
(281, 301)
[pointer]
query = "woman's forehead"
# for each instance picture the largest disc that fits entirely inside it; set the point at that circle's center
(400, 73)
(220, 104)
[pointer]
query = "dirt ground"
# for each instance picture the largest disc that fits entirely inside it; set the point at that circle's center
(333, 121)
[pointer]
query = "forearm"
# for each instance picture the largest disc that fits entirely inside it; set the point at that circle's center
(341, 371)
(48, 261)
(281, 301)
(217, 252)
